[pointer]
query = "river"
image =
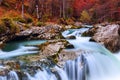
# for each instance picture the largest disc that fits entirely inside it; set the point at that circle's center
(94, 63)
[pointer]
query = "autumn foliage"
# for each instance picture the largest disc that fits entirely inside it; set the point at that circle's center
(99, 10)
(49, 10)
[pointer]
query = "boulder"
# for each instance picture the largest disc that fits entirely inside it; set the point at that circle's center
(52, 47)
(78, 24)
(46, 32)
(55, 50)
(91, 31)
(109, 36)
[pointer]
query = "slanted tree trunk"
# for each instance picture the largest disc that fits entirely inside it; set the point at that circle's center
(63, 2)
(1, 1)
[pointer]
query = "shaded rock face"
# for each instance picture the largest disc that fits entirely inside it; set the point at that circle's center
(6, 37)
(92, 31)
(70, 37)
(46, 32)
(109, 36)
(1, 44)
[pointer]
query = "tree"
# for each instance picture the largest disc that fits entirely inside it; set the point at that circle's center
(85, 17)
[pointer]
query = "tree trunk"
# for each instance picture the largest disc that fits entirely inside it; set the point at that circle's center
(60, 9)
(22, 8)
(63, 8)
(37, 9)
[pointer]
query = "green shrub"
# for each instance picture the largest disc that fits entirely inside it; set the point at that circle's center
(29, 20)
(40, 23)
(19, 19)
(69, 21)
(85, 17)
(66, 21)
(8, 23)
(27, 26)
(26, 19)
(45, 17)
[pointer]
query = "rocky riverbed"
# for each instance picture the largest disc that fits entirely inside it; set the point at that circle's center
(56, 49)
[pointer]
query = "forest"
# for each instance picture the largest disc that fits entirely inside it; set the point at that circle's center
(87, 11)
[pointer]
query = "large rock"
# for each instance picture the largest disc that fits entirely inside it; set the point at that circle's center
(45, 32)
(56, 51)
(109, 36)
(52, 47)
(92, 30)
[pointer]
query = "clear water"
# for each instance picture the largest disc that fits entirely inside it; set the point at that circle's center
(18, 48)
(17, 44)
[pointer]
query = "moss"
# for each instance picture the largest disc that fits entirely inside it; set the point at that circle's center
(27, 26)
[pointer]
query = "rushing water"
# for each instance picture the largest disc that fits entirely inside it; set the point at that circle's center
(12, 75)
(95, 62)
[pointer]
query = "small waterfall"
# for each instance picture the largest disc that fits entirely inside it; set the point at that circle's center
(12, 75)
(58, 74)
(92, 66)
(74, 32)
(76, 70)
